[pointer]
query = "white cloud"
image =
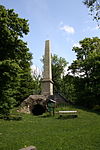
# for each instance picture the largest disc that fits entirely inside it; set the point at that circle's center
(76, 45)
(68, 29)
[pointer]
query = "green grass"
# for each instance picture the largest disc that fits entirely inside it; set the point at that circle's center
(51, 133)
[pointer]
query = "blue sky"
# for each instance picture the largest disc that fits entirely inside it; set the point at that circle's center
(64, 22)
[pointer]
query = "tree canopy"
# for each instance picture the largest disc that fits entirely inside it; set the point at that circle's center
(86, 69)
(58, 69)
(15, 60)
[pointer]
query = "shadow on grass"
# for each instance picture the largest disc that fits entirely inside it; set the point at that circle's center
(11, 117)
(97, 111)
(45, 116)
(64, 117)
(61, 117)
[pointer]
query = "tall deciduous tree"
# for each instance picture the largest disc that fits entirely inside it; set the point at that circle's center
(58, 69)
(15, 60)
(87, 68)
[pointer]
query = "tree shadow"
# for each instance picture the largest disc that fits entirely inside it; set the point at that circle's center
(97, 111)
(12, 117)
(64, 117)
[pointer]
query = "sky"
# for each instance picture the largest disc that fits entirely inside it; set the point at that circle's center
(63, 22)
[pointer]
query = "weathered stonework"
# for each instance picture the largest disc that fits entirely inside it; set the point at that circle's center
(47, 83)
(32, 101)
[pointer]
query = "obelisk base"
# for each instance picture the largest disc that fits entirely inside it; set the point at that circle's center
(47, 87)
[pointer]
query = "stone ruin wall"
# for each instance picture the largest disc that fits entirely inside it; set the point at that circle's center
(28, 104)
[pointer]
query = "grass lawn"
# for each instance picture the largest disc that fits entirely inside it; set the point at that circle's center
(51, 133)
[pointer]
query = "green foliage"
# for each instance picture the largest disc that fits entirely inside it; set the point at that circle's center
(87, 68)
(15, 60)
(63, 84)
(68, 88)
(58, 68)
(88, 53)
(26, 86)
(9, 84)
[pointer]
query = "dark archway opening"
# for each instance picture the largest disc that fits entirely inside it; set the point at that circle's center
(38, 110)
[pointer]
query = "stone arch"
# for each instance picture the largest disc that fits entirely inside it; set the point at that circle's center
(38, 109)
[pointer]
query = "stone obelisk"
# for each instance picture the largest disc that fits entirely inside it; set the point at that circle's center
(47, 83)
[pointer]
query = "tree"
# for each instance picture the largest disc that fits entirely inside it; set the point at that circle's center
(94, 8)
(58, 69)
(87, 68)
(15, 60)
(36, 81)
(68, 88)
(63, 84)
(26, 82)
(9, 84)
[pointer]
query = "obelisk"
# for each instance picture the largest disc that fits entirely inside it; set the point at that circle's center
(47, 83)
